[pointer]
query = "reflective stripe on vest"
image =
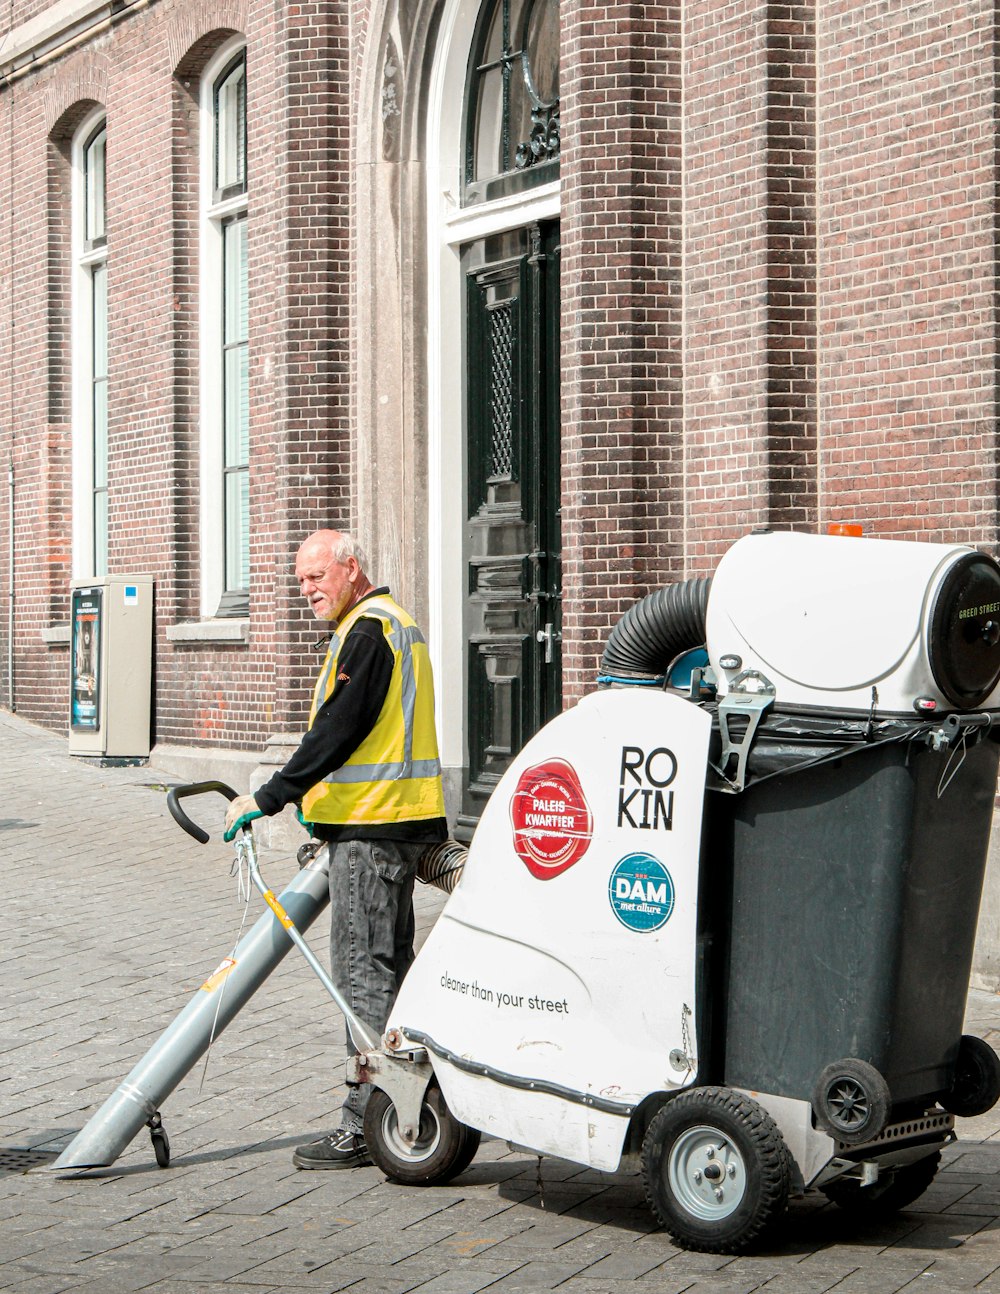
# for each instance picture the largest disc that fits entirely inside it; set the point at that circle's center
(401, 639)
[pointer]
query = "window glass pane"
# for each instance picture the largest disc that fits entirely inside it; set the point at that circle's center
(494, 45)
(238, 530)
(236, 403)
(234, 287)
(230, 129)
(520, 111)
(542, 45)
(237, 413)
(100, 532)
(99, 281)
(94, 164)
(489, 124)
(100, 435)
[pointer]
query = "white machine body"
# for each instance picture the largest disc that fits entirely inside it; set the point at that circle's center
(557, 989)
(840, 623)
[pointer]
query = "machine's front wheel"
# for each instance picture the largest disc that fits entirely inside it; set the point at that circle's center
(975, 1087)
(716, 1170)
(894, 1189)
(443, 1148)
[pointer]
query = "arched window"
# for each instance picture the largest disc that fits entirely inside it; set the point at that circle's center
(512, 122)
(229, 96)
(90, 351)
(225, 370)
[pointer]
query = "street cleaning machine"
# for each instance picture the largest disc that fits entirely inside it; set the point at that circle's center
(716, 922)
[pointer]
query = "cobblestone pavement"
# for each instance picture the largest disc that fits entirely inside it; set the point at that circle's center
(112, 917)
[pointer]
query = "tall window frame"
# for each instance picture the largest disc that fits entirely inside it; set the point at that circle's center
(224, 390)
(90, 347)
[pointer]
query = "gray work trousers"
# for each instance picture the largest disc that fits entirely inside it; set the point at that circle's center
(371, 936)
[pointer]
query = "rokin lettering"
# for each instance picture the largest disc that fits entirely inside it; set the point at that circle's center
(644, 802)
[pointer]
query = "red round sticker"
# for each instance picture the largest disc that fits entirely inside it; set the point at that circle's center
(552, 823)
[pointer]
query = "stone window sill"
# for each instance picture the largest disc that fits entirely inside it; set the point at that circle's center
(56, 636)
(210, 631)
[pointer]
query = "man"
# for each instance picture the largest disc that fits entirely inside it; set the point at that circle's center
(368, 778)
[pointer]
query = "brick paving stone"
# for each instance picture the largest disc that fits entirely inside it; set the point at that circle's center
(174, 1285)
(43, 1285)
(793, 1281)
(456, 1282)
(990, 1284)
(622, 1265)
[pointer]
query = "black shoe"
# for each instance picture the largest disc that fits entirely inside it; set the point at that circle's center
(341, 1149)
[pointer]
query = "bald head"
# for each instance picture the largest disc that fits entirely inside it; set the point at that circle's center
(329, 568)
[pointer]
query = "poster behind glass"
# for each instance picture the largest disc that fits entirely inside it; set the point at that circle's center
(86, 675)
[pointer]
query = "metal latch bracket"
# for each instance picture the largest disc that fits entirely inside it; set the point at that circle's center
(750, 696)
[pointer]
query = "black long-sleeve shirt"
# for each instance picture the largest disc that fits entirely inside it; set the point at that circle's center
(343, 721)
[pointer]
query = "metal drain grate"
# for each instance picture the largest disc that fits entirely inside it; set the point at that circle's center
(15, 1159)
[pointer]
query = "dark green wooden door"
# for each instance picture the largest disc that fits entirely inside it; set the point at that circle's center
(513, 612)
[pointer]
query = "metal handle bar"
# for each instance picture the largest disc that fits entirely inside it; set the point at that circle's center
(361, 1035)
(981, 719)
(178, 793)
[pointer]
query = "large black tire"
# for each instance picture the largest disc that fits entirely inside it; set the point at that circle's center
(851, 1101)
(716, 1170)
(443, 1149)
(975, 1087)
(894, 1190)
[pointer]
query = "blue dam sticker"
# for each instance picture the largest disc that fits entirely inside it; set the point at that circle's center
(641, 892)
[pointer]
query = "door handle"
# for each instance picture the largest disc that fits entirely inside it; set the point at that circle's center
(549, 636)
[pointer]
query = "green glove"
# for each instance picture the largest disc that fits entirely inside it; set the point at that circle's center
(242, 821)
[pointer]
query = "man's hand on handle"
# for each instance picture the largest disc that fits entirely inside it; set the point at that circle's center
(241, 813)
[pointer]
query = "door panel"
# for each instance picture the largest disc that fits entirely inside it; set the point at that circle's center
(512, 543)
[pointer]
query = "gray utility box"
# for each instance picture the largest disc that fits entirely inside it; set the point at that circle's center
(111, 666)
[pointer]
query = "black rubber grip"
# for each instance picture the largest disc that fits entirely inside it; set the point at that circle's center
(179, 793)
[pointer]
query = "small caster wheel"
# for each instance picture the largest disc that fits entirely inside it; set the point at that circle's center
(443, 1147)
(851, 1101)
(975, 1086)
(160, 1140)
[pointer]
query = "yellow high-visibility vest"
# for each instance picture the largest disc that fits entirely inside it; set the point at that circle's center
(395, 774)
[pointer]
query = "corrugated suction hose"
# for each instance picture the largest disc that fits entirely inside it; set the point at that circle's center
(654, 631)
(641, 647)
(441, 866)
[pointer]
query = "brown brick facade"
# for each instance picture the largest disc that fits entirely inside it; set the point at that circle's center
(779, 277)
(145, 73)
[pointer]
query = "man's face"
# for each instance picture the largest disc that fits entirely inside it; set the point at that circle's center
(327, 585)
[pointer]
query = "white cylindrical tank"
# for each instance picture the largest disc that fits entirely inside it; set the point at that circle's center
(842, 623)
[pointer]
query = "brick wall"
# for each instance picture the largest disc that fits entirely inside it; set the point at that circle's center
(908, 268)
(145, 72)
(622, 316)
(779, 280)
